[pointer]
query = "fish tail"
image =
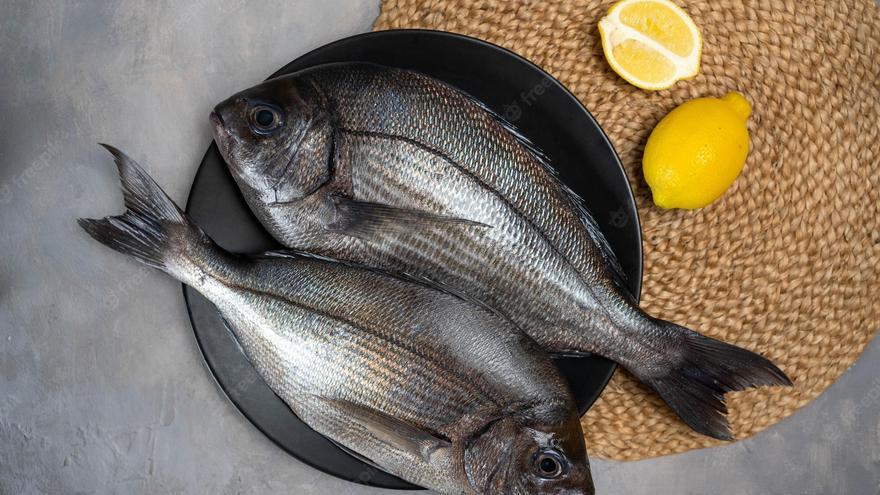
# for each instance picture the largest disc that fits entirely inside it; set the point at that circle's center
(703, 370)
(153, 229)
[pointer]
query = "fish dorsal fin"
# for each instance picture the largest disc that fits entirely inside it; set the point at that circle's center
(399, 434)
(368, 221)
(576, 201)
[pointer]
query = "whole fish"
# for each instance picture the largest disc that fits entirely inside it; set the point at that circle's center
(396, 170)
(422, 383)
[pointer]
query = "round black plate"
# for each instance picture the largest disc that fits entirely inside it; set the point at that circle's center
(517, 89)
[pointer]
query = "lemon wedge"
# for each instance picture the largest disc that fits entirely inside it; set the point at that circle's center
(651, 43)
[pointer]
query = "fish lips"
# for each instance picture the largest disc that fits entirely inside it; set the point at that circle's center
(222, 136)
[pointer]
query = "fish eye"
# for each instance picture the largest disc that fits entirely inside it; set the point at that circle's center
(265, 119)
(548, 464)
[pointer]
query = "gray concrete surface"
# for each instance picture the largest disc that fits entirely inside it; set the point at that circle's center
(102, 389)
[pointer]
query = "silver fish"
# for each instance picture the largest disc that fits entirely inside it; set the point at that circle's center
(424, 384)
(395, 170)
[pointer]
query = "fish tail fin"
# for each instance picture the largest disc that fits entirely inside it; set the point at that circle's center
(151, 228)
(702, 370)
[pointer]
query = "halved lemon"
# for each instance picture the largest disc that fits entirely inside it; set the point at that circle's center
(651, 43)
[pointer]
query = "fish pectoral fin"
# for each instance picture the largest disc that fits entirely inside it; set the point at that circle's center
(397, 433)
(368, 220)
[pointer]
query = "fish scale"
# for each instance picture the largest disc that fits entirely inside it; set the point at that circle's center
(427, 394)
(417, 380)
(335, 308)
(463, 133)
(453, 248)
(425, 180)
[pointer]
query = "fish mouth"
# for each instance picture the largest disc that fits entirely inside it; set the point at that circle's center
(219, 126)
(222, 136)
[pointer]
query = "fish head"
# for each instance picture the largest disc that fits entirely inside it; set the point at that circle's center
(276, 139)
(539, 452)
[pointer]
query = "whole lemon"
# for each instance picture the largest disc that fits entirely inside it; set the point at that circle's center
(697, 150)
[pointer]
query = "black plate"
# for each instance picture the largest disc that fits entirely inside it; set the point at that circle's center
(517, 89)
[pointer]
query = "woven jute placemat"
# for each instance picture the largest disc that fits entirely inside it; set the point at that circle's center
(787, 263)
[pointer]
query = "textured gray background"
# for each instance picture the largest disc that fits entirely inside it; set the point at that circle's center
(102, 389)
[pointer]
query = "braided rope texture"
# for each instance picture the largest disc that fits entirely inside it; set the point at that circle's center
(787, 262)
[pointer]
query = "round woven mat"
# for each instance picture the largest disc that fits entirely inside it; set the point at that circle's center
(787, 263)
